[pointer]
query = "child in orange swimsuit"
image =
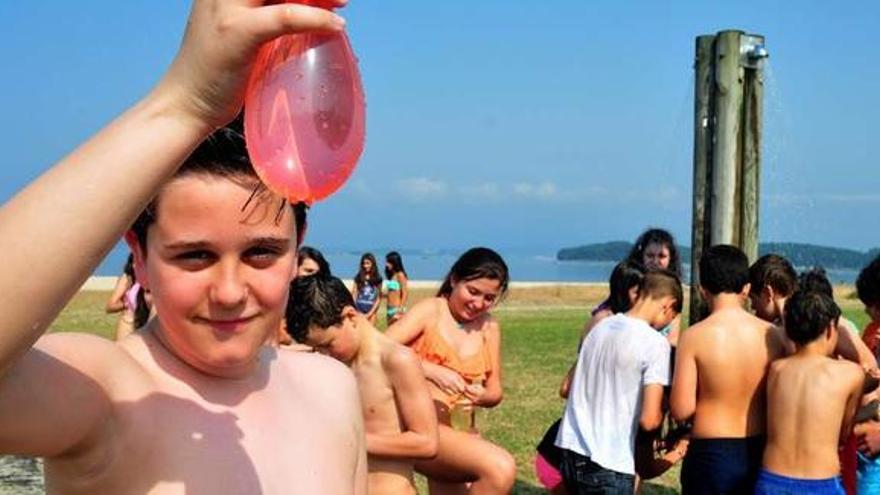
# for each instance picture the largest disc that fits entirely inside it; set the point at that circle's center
(459, 343)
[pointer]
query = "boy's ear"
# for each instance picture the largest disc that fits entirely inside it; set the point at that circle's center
(746, 290)
(349, 312)
(140, 271)
(831, 330)
(768, 291)
(704, 293)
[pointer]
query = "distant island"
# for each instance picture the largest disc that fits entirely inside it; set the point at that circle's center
(799, 254)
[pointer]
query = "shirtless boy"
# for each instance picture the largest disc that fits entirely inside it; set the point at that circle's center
(617, 389)
(772, 280)
(811, 399)
(399, 416)
(720, 374)
(194, 402)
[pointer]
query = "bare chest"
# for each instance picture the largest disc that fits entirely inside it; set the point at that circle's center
(377, 400)
(173, 441)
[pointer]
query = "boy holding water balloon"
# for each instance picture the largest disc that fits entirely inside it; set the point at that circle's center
(195, 402)
(401, 425)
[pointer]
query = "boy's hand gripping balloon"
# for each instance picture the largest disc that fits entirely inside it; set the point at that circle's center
(304, 115)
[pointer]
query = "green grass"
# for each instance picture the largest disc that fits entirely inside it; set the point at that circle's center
(539, 344)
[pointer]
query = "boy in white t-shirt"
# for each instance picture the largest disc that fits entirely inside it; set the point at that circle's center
(618, 388)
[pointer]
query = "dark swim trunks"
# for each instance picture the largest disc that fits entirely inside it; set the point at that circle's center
(722, 465)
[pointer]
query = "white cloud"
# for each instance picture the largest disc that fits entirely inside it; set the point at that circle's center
(486, 192)
(544, 190)
(421, 188)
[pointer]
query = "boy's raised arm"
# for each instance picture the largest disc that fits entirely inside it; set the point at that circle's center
(57, 230)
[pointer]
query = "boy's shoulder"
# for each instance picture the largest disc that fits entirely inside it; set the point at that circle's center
(397, 358)
(846, 369)
(313, 373)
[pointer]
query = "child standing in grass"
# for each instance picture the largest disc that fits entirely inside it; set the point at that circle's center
(130, 299)
(367, 287)
(399, 417)
(617, 389)
(811, 400)
(396, 287)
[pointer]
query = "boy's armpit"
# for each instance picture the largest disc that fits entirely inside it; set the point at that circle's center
(52, 398)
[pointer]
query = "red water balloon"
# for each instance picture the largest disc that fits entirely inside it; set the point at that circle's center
(304, 115)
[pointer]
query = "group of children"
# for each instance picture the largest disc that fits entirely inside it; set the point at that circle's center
(768, 398)
(368, 287)
(196, 402)
(407, 411)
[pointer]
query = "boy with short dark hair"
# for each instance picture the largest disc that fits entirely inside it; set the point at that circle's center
(399, 415)
(773, 280)
(811, 400)
(194, 402)
(720, 371)
(617, 389)
(868, 289)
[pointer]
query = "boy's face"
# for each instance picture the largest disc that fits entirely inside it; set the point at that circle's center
(339, 341)
(218, 275)
(665, 314)
(763, 304)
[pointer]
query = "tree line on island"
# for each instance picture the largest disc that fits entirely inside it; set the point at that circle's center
(799, 254)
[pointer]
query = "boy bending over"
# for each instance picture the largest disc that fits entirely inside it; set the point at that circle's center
(194, 402)
(399, 416)
(617, 388)
(812, 398)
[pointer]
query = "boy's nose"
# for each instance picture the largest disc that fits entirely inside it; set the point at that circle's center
(229, 288)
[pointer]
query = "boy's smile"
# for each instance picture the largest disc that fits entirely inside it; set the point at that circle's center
(219, 276)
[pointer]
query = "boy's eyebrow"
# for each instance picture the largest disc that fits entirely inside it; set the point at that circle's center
(186, 245)
(279, 242)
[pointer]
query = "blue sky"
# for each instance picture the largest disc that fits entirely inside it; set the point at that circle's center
(519, 125)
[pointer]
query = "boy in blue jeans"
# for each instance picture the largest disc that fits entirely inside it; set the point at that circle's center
(616, 389)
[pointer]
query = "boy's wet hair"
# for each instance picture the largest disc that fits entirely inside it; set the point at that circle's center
(660, 283)
(625, 276)
(222, 154)
(478, 262)
(724, 269)
(816, 280)
(775, 271)
(315, 300)
(808, 314)
(661, 237)
(868, 283)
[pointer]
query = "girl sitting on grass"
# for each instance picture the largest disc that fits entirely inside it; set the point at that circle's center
(459, 343)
